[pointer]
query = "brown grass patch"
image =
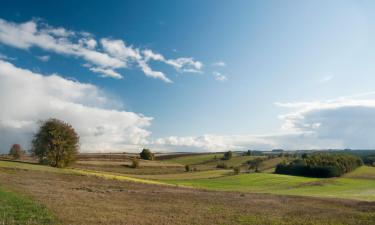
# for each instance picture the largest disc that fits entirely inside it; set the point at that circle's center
(90, 200)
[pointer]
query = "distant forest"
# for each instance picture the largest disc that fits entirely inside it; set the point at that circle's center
(320, 165)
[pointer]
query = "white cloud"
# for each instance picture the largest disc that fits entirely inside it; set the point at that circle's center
(28, 97)
(219, 64)
(345, 122)
(349, 120)
(118, 49)
(106, 72)
(43, 58)
(114, 54)
(219, 77)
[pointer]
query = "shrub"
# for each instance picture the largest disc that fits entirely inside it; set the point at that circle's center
(369, 160)
(222, 165)
(255, 164)
(236, 170)
(187, 168)
(56, 143)
(227, 155)
(16, 151)
(146, 154)
(320, 165)
(135, 162)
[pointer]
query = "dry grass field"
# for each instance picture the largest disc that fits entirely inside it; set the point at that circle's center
(92, 200)
(107, 190)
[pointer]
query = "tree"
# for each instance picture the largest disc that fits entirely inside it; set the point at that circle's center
(228, 155)
(248, 153)
(56, 143)
(16, 151)
(146, 154)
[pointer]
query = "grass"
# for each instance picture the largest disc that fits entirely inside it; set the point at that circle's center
(236, 160)
(105, 175)
(195, 159)
(15, 209)
(349, 188)
(186, 175)
(82, 200)
(364, 172)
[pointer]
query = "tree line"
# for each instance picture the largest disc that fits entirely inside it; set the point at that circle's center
(320, 165)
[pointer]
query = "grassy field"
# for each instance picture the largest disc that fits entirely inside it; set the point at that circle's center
(352, 186)
(15, 209)
(200, 197)
(195, 159)
(345, 187)
(187, 175)
(123, 167)
(87, 199)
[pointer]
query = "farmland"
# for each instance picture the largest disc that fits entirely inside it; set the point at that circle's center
(108, 191)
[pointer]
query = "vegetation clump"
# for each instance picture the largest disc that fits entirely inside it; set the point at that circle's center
(222, 166)
(56, 143)
(146, 154)
(369, 160)
(187, 168)
(320, 165)
(16, 151)
(255, 164)
(227, 155)
(236, 170)
(135, 162)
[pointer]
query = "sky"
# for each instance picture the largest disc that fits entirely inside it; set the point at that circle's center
(190, 75)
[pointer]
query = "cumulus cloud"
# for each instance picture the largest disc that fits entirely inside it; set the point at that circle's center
(219, 76)
(111, 55)
(27, 97)
(345, 122)
(349, 119)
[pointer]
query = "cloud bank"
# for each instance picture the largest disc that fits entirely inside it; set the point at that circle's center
(104, 56)
(345, 122)
(28, 97)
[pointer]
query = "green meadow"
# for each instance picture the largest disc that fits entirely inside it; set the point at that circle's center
(15, 209)
(350, 187)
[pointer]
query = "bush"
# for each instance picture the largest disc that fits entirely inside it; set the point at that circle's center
(228, 155)
(56, 143)
(320, 165)
(135, 162)
(222, 165)
(146, 154)
(16, 151)
(187, 168)
(369, 160)
(255, 164)
(236, 170)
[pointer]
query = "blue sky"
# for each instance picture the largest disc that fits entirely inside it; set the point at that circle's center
(266, 74)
